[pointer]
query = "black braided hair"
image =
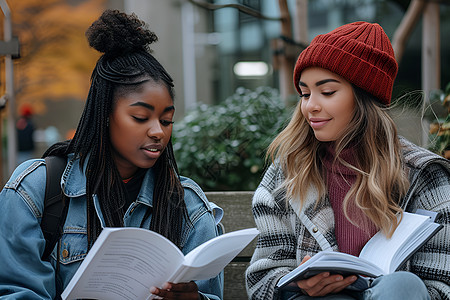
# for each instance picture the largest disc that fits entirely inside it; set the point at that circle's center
(125, 64)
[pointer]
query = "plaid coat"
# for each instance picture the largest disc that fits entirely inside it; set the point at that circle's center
(287, 233)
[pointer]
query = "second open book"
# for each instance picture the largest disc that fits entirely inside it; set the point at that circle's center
(125, 262)
(379, 256)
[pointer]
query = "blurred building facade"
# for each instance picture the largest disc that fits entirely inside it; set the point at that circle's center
(206, 51)
(202, 48)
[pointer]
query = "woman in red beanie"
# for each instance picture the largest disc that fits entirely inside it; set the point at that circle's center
(340, 173)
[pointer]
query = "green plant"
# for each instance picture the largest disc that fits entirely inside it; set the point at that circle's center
(440, 130)
(222, 147)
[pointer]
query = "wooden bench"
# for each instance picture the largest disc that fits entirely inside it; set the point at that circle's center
(237, 208)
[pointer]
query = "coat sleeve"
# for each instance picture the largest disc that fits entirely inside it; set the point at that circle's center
(432, 261)
(275, 253)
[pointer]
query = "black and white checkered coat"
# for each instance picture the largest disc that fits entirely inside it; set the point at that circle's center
(288, 234)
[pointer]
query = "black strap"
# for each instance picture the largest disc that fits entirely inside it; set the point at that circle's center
(55, 204)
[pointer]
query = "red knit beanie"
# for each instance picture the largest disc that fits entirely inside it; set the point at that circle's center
(360, 52)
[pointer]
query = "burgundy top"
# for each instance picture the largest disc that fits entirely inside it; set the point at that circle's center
(350, 238)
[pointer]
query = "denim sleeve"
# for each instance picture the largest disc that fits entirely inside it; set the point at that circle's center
(23, 275)
(203, 229)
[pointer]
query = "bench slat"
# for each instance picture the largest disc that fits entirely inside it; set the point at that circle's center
(237, 208)
(237, 215)
(234, 281)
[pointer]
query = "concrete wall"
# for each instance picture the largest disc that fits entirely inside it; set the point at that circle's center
(185, 58)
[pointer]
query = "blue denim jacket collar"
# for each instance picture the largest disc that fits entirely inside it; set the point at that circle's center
(74, 182)
(74, 185)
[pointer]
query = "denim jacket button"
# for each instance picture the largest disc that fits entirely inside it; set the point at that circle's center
(65, 253)
(315, 229)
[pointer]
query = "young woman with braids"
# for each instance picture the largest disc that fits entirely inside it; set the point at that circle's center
(120, 171)
(340, 173)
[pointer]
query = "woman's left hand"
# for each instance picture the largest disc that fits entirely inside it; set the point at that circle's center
(185, 290)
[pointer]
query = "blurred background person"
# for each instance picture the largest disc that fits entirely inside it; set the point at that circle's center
(25, 134)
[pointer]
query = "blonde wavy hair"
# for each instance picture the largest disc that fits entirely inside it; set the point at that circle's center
(381, 181)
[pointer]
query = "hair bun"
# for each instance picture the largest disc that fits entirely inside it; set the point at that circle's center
(115, 33)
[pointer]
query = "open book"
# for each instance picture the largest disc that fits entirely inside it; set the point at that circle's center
(378, 257)
(125, 262)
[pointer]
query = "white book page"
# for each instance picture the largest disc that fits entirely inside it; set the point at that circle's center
(209, 259)
(129, 263)
(329, 261)
(419, 237)
(380, 250)
(344, 261)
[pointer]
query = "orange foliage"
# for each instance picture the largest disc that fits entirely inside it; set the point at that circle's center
(56, 60)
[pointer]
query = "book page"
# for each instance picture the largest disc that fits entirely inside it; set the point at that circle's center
(209, 259)
(375, 258)
(414, 242)
(380, 250)
(333, 262)
(130, 261)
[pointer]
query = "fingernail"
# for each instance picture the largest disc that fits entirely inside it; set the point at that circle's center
(153, 290)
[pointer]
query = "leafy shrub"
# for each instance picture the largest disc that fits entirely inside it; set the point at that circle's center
(440, 129)
(222, 147)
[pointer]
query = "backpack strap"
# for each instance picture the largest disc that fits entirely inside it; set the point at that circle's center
(55, 204)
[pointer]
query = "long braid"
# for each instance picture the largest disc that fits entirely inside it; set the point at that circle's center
(170, 195)
(125, 64)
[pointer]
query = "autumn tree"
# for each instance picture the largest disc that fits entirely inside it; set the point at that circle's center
(55, 60)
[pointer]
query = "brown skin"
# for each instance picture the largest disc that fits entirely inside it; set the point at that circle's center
(140, 127)
(185, 291)
(324, 283)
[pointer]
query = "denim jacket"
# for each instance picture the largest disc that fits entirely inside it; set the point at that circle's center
(24, 275)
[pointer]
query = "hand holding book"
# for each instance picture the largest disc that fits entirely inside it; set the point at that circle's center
(379, 256)
(125, 263)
